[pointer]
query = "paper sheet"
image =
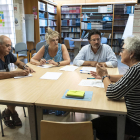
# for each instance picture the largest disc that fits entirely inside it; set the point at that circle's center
(45, 66)
(51, 75)
(92, 83)
(88, 69)
(17, 77)
(69, 68)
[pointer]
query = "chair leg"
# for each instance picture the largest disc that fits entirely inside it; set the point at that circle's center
(24, 112)
(94, 133)
(2, 128)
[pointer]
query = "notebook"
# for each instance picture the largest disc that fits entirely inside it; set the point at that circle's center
(75, 94)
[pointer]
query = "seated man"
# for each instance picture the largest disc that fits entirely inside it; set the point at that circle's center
(95, 52)
(6, 57)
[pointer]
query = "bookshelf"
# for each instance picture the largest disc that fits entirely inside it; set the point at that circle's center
(47, 18)
(70, 22)
(121, 14)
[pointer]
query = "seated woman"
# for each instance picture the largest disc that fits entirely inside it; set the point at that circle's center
(53, 53)
(127, 86)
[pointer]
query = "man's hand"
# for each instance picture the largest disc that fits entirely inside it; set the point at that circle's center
(93, 64)
(29, 69)
(102, 63)
(21, 72)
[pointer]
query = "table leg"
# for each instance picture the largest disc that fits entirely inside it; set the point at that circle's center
(77, 47)
(39, 117)
(32, 122)
(121, 127)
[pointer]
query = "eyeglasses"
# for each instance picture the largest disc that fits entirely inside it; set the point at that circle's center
(6, 67)
(98, 39)
(53, 40)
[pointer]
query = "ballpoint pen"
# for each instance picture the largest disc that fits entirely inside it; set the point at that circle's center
(84, 72)
(90, 78)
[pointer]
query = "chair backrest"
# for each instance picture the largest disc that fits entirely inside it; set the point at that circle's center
(21, 46)
(103, 40)
(39, 45)
(69, 39)
(66, 42)
(66, 130)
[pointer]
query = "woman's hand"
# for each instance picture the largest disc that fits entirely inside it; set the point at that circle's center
(52, 62)
(42, 62)
(101, 70)
(94, 74)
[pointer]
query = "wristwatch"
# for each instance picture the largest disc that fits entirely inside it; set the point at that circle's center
(58, 64)
(105, 77)
(24, 67)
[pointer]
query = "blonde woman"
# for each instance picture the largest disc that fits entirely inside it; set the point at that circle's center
(53, 53)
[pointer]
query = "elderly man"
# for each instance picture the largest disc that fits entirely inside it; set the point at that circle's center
(95, 52)
(6, 57)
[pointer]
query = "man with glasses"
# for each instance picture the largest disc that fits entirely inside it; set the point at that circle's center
(6, 57)
(95, 52)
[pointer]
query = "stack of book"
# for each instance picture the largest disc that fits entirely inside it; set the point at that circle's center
(42, 22)
(51, 16)
(41, 15)
(96, 25)
(120, 22)
(107, 25)
(41, 6)
(117, 35)
(68, 9)
(42, 30)
(119, 9)
(87, 9)
(70, 22)
(51, 8)
(51, 23)
(70, 16)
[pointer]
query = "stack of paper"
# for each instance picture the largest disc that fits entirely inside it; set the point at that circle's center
(88, 69)
(51, 75)
(69, 68)
(17, 77)
(92, 83)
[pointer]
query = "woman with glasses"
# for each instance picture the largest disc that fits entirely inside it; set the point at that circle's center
(127, 86)
(53, 53)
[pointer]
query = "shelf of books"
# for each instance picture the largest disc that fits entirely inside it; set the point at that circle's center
(96, 17)
(70, 22)
(47, 18)
(121, 14)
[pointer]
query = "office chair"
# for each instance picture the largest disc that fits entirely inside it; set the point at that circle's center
(2, 124)
(21, 51)
(103, 40)
(66, 130)
(38, 46)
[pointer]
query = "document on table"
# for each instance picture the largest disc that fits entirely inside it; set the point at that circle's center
(92, 83)
(69, 68)
(88, 69)
(45, 66)
(17, 77)
(51, 75)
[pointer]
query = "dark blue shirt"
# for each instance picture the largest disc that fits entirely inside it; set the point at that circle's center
(10, 58)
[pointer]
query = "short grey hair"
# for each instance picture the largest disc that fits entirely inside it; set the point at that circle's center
(51, 34)
(132, 44)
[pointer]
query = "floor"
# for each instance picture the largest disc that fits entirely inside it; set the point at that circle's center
(23, 133)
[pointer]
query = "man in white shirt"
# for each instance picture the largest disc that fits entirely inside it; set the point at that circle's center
(95, 52)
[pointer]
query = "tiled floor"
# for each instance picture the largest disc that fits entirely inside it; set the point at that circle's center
(23, 133)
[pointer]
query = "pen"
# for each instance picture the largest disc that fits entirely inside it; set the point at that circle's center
(90, 78)
(84, 72)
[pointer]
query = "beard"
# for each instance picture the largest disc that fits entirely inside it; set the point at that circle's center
(96, 46)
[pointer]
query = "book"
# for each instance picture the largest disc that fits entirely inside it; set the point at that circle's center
(75, 94)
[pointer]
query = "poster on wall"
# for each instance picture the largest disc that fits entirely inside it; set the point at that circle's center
(2, 23)
(17, 16)
(5, 20)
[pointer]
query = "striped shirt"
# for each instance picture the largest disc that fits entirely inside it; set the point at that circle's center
(129, 88)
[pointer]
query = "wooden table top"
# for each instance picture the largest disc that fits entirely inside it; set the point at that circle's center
(52, 95)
